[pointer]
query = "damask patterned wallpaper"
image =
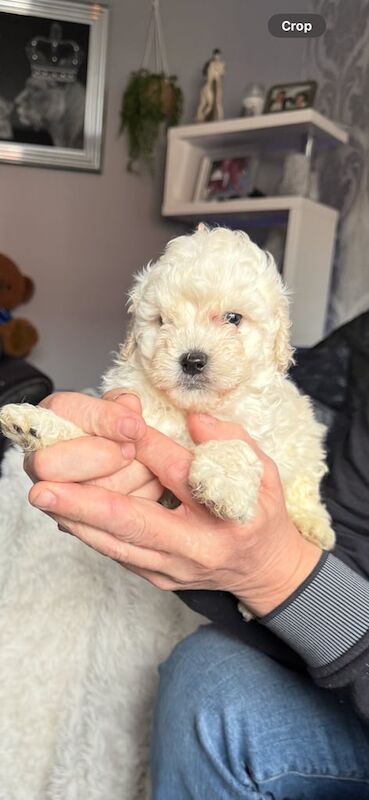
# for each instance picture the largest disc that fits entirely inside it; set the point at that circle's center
(339, 61)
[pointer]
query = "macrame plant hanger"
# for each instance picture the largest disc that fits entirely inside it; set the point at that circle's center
(155, 51)
(152, 99)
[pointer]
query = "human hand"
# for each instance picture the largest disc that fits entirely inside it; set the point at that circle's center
(261, 562)
(97, 459)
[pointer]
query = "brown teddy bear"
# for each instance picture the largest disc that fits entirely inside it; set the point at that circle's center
(17, 336)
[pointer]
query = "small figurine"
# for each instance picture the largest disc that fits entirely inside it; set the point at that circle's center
(211, 96)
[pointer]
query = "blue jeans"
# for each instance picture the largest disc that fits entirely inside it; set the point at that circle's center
(232, 724)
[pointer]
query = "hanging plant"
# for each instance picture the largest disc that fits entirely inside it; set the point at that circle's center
(152, 99)
(149, 100)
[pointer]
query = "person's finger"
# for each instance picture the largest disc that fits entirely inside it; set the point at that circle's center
(169, 461)
(158, 579)
(79, 460)
(125, 399)
(205, 428)
(122, 516)
(97, 416)
(139, 558)
(136, 480)
(134, 520)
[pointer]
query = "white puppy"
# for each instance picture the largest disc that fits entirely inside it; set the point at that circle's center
(210, 332)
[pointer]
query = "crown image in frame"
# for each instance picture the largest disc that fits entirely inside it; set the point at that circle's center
(54, 57)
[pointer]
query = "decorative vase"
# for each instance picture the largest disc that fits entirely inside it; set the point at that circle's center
(253, 101)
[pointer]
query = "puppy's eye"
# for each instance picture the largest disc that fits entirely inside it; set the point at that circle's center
(232, 317)
(161, 321)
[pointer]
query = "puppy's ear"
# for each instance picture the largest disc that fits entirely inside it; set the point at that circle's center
(135, 294)
(134, 297)
(283, 352)
(129, 345)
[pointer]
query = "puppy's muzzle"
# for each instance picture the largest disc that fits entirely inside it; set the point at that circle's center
(193, 363)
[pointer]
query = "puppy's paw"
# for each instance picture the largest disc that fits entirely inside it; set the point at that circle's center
(319, 531)
(307, 511)
(33, 427)
(225, 476)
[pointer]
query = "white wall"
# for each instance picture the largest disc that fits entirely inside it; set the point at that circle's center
(80, 236)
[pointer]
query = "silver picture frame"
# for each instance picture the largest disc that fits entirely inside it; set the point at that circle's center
(53, 83)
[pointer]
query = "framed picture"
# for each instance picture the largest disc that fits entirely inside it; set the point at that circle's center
(290, 97)
(52, 77)
(225, 177)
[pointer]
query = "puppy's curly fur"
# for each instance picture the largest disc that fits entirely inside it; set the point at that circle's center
(210, 333)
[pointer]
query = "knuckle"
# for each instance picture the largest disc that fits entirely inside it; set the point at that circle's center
(163, 583)
(114, 550)
(176, 468)
(116, 506)
(134, 525)
(212, 562)
(100, 417)
(136, 530)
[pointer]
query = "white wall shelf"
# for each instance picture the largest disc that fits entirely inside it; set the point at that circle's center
(188, 144)
(311, 226)
(304, 121)
(244, 208)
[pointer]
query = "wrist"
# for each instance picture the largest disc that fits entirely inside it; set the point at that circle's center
(282, 577)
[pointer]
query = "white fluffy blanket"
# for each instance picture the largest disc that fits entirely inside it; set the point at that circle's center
(80, 641)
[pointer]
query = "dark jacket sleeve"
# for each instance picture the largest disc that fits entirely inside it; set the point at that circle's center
(327, 622)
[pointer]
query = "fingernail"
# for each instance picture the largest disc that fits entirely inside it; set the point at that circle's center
(206, 419)
(128, 427)
(128, 451)
(44, 500)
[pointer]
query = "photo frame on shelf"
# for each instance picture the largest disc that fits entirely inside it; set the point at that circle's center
(52, 81)
(226, 177)
(290, 97)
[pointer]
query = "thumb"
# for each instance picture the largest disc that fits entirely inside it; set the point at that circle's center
(204, 428)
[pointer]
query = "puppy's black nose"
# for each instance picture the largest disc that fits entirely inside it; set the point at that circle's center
(193, 362)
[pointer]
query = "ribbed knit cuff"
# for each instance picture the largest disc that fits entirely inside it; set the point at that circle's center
(327, 615)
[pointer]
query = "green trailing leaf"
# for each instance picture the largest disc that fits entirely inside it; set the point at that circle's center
(149, 101)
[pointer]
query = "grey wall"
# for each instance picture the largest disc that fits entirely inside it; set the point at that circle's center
(339, 61)
(80, 236)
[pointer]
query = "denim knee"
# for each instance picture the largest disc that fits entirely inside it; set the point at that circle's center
(194, 720)
(231, 722)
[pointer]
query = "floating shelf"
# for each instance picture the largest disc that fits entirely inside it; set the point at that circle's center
(248, 209)
(285, 131)
(302, 122)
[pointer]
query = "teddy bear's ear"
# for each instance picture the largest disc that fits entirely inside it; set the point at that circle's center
(29, 288)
